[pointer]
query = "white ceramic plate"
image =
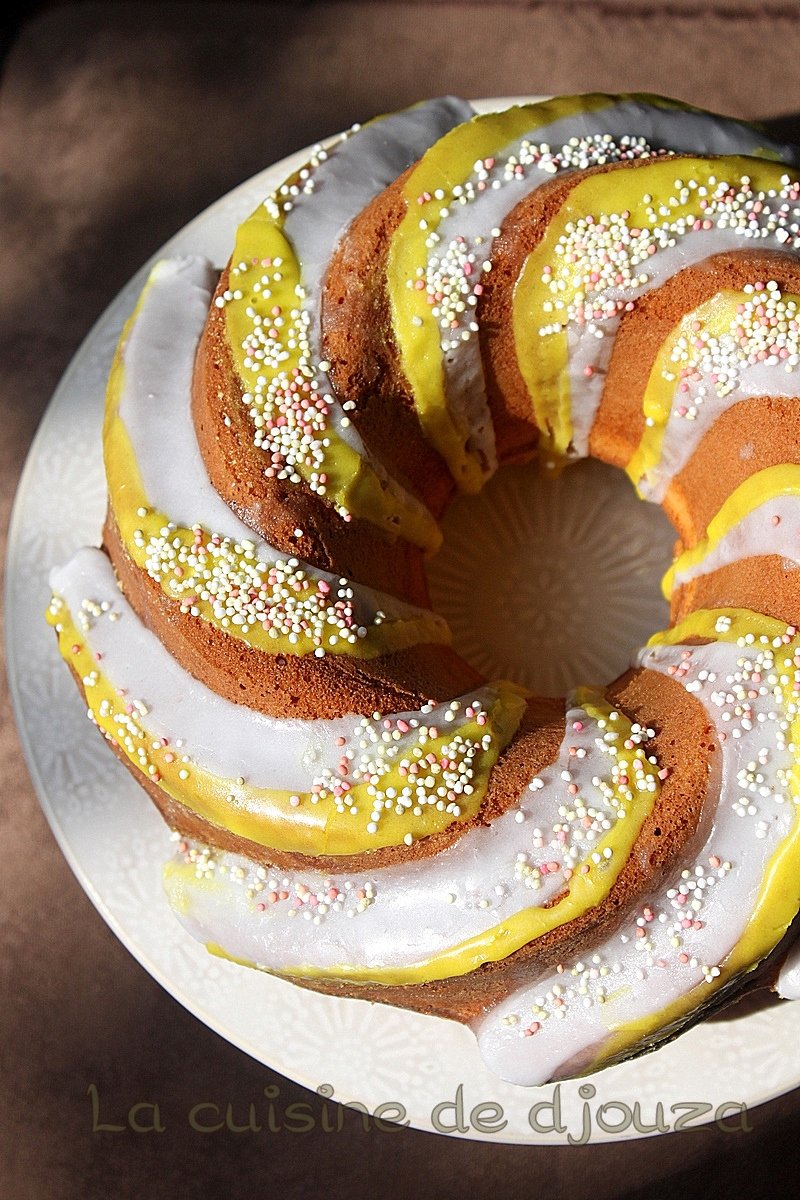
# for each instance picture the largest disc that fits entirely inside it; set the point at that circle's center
(115, 842)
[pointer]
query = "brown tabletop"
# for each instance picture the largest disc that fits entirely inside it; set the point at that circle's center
(118, 123)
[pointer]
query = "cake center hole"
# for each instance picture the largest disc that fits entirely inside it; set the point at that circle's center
(552, 582)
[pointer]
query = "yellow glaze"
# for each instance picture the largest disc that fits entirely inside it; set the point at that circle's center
(352, 483)
(757, 489)
(778, 899)
(716, 317)
(267, 817)
(702, 624)
(139, 524)
(641, 194)
(449, 162)
(583, 891)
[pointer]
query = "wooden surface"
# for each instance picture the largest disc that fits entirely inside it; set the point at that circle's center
(119, 122)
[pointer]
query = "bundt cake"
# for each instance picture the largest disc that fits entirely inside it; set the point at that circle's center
(354, 807)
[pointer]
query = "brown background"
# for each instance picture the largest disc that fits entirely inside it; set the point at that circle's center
(119, 122)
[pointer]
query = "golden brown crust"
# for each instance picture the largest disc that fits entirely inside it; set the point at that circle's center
(360, 347)
(516, 435)
(520, 233)
(684, 743)
(750, 436)
(764, 584)
(285, 685)
(275, 508)
(642, 332)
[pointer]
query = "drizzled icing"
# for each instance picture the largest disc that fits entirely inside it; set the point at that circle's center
(733, 346)
(616, 236)
(458, 196)
(772, 527)
(556, 852)
(732, 898)
(324, 786)
(177, 528)
(761, 516)
(273, 320)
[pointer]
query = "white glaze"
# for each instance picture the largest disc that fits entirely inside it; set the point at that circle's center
(474, 221)
(155, 409)
(421, 908)
(355, 170)
(746, 835)
(587, 363)
(225, 739)
(771, 528)
(590, 345)
(682, 436)
(155, 396)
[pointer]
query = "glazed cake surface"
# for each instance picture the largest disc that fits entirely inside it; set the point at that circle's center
(437, 294)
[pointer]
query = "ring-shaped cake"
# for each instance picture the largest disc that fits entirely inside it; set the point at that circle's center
(354, 807)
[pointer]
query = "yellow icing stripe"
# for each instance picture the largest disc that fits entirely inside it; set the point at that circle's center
(747, 322)
(775, 908)
(616, 205)
(778, 899)
(449, 162)
(757, 489)
(716, 316)
(589, 884)
(722, 625)
(279, 609)
(307, 823)
(266, 289)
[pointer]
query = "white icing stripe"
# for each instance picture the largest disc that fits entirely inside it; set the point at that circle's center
(587, 364)
(423, 908)
(155, 398)
(689, 924)
(682, 434)
(155, 408)
(224, 738)
(227, 740)
(771, 528)
(591, 344)
(355, 171)
(469, 229)
(298, 422)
